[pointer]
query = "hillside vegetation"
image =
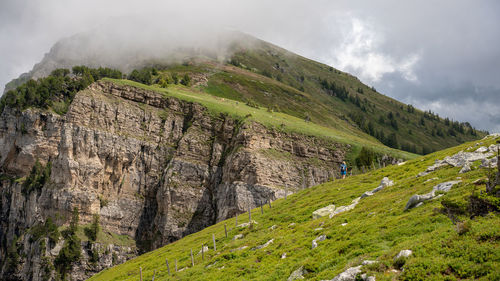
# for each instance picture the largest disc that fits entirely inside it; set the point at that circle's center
(451, 237)
(260, 74)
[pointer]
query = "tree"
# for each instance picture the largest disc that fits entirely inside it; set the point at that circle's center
(186, 80)
(71, 250)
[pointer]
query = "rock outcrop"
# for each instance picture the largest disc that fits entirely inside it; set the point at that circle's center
(153, 168)
(417, 200)
(331, 210)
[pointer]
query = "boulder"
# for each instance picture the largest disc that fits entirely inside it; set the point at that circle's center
(297, 274)
(368, 262)
(264, 245)
(318, 239)
(466, 168)
(342, 209)
(238, 236)
(403, 254)
(204, 250)
(416, 200)
(323, 212)
(482, 149)
(348, 275)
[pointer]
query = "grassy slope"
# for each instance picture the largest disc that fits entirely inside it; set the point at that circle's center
(377, 228)
(294, 87)
(217, 105)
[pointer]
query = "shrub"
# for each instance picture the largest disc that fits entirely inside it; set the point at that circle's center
(463, 227)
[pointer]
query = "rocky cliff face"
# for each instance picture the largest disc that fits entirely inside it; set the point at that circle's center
(153, 168)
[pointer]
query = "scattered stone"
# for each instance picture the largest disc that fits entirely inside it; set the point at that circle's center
(318, 239)
(318, 229)
(297, 274)
(493, 148)
(238, 236)
(343, 224)
(365, 277)
(466, 168)
(479, 181)
(264, 245)
(239, 249)
(384, 183)
(368, 262)
(210, 265)
(458, 160)
(348, 275)
(432, 179)
(283, 256)
(401, 163)
(273, 227)
(422, 174)
(403, 254)
(489, 163)
(247, 224)
(205, 249)
(416, 199)
(325, 211)
(482, 149)
(342, 209)
(291, 225)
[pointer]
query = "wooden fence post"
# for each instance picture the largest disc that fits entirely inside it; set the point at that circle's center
(154, 274)
(140, 273)
(225, 229)
(192, 260)
(168, 267)
(236, 220)
(261, 208)
(175, 265)
(249, 215)
(213, 239)
(269, 201)
(202, 253)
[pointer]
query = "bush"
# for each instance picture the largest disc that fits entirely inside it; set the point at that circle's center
(463, 227)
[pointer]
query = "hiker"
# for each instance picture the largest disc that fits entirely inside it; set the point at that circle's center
(343, 169)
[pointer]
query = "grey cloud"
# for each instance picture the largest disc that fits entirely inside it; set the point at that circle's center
(456, 41)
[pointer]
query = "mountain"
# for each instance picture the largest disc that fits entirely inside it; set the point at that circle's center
(98, 166)
(370, 227)
(240, 67)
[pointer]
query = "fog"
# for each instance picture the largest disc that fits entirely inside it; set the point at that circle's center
(442, 57)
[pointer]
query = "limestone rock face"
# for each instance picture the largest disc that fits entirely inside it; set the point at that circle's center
(153, 168)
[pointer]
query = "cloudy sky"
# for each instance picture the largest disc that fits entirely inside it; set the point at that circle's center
(438, 55)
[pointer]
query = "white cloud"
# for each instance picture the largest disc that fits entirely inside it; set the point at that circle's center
(359, 53)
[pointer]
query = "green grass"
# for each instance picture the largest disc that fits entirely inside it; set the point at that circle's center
(277, 120)
(378, 228)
